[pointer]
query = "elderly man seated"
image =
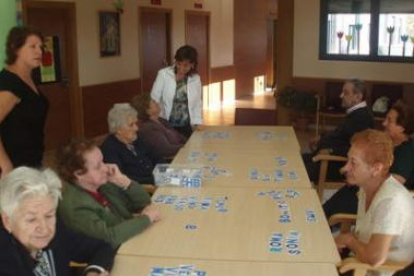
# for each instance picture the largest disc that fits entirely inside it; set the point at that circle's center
(124, 148)
(358, 118)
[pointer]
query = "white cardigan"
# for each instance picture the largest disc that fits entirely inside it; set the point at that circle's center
(163, 92)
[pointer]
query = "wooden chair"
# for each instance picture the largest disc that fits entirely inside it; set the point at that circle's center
(330, 104)
(254, 116)
(361, 269)
(323, 184)
(351, 263)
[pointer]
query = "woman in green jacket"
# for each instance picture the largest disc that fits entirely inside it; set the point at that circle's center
(98, 199)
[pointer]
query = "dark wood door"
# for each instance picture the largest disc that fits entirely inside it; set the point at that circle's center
(54, 19)
(198, 35)
(155, 44)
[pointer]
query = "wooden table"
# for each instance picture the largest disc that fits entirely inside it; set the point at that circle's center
(248, 231)
(142, 266)
(236, 169)
(269, 137)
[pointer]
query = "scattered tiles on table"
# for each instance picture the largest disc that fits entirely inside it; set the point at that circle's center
(198, 157)
(276, 195)
(285, 215)
(278, 175)
(181, 270)
(266, 136)
(191, 227)
(281, 161)
(193, 203)
(216, 135)
(310, 215)
(289, 244)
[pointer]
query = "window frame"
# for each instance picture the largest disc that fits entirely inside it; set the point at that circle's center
(373, 39)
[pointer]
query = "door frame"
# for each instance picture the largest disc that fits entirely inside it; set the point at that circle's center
(75, 95)
(169, 12)
(208, 14)
(271, 53)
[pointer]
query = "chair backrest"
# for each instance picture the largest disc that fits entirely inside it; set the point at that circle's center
(254, 116)
(332, 100)
(323, 182)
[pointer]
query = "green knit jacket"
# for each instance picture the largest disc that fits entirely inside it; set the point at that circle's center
(114, 224)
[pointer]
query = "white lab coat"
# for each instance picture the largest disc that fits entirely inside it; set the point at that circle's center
(163, 92)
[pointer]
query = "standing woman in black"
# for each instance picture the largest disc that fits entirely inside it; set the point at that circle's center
(23, 108)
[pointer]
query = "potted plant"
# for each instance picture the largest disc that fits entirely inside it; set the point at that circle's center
(304, 103)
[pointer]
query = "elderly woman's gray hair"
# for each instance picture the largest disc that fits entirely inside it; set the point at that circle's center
(118, 115)
(23, 183)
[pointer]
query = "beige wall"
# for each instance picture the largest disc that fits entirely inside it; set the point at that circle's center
(306, 51)
(95, 70)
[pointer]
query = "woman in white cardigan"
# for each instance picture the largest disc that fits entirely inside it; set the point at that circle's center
(177, 90)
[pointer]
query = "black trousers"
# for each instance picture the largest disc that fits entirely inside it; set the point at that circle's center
(343, 201)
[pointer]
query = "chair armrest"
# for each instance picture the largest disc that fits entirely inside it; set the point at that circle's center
(342, 218)
(75, 264)
(346, 220)
(328, 157)
(352, 263)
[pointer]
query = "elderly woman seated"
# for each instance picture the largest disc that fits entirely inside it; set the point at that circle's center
(124, 148)
(32, 241)
(98, 199)
(163, 139)
(385, 217)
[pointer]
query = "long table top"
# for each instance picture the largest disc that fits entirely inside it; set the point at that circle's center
(244, 170)
(268, 137)
(266, 225)
(150, 266)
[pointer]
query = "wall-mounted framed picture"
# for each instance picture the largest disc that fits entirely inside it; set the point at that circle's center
(49, 71)
(109, 34)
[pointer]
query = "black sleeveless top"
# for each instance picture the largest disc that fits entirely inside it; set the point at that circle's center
(22, 131)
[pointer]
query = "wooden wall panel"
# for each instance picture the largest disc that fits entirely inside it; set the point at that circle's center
(98, 99)
(318, 85)
(220, 74)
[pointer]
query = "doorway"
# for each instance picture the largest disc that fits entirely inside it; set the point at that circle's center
(197, 34)
(155, 44)
(271, 65)
(64, 120)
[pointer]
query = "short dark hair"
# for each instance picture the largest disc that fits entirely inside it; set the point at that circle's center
(359, 87)
(70, 158)
(403, 117)
(141, 103)
(189, 53)
(16, 39)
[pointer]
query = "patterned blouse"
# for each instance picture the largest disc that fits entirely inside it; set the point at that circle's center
(179, 114)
